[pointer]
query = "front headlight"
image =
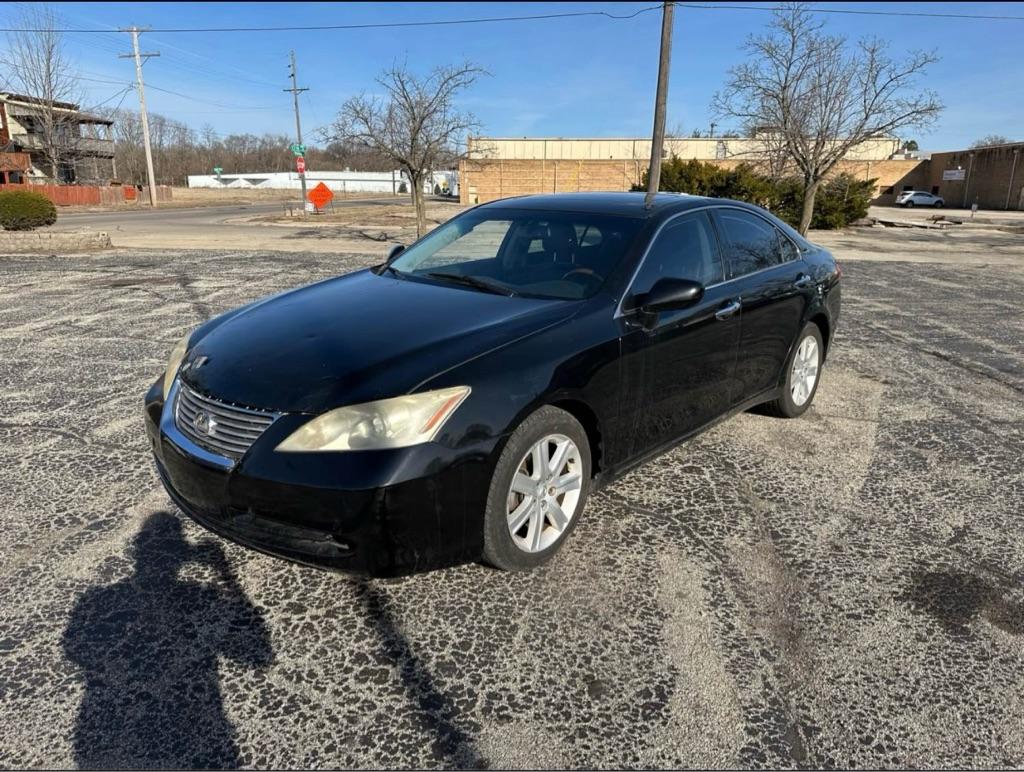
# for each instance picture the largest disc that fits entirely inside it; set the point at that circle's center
(387, 423)
(174, 362)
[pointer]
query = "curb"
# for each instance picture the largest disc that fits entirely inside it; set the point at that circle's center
(36, 242)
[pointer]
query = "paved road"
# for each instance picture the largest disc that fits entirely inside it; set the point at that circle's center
(199, 215)
(186, 216)
(840, 590)
(202, 227)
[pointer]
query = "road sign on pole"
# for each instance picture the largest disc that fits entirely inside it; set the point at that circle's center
(297, 149)
(298, 129)
(300, 165)
(321, 196)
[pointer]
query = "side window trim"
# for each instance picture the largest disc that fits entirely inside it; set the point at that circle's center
(711, 212)
(716, 235)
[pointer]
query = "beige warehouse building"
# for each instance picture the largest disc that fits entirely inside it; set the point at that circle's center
(498, 167)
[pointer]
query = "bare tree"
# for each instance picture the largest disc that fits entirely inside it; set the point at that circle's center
(813, 98)
(179, 150)
(676, 131)
(416, 123)
(992, 139)
(39, 68)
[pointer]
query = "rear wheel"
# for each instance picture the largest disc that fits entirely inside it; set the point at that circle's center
(802, 374)
(910, 204)
(538, 491)
(937, 205)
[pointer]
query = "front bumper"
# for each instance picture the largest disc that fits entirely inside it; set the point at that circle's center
(383, 513)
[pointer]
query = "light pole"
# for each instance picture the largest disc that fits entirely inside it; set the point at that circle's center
(967, 182)
(1013, 172)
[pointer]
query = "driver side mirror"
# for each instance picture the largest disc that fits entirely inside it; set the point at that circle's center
(669, 295)
(395, 251)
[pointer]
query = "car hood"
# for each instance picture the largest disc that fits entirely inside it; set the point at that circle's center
(354, 339)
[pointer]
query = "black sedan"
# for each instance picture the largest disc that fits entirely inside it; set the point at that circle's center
(463, 399)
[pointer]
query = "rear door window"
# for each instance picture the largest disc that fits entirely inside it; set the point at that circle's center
(752, 243)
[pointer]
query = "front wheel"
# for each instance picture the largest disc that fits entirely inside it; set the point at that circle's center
(802, 374)
(538, 491)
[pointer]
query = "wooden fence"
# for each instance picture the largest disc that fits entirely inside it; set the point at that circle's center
(90, 195)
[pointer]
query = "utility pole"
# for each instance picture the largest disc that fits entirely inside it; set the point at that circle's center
(298, 125)
(711, 133)
(142, 106)
(658, 138)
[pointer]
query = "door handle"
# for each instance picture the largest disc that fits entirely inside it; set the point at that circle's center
(729, 309)
(802, 281)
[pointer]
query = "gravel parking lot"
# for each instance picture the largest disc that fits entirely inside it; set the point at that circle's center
(846, 589)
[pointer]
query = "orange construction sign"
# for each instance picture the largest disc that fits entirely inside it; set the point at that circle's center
(321, 196)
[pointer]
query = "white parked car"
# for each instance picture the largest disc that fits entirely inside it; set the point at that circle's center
(919, 198)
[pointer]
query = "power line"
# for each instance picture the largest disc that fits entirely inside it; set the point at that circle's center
(122, 93)
(127, 91)
(919, 14)
(98, 80)
(245, 108)
(252, 108)
(102, 43)
(379, 25)
(207, 70)
(537, 17)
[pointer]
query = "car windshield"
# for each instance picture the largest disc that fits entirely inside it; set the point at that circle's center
(565, 255)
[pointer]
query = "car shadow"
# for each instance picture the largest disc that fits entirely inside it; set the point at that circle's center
(148, 647)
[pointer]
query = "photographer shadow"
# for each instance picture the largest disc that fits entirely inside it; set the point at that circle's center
(148, 648)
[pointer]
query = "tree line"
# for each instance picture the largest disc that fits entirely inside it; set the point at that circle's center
(180, 150)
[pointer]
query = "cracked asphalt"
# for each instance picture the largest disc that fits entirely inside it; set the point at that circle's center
(846, 589)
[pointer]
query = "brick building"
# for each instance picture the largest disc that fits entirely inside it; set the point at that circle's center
(993, 177)
(497, 168)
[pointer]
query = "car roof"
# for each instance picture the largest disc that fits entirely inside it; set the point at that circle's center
(629, 204)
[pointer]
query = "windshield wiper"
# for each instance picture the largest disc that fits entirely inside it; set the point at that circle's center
(472, 281)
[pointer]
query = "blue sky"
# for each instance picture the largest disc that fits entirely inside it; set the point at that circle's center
(588, 76)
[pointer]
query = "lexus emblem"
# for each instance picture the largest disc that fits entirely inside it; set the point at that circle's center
(204, 423)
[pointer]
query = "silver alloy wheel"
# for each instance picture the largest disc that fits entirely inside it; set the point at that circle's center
(545, 493)
(805, 371)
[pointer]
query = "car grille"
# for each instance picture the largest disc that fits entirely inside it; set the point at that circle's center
(218, 426)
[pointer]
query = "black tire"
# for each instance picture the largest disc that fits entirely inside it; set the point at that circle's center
(784, 406)
(909, 204)
(937, 205)
(499, 548)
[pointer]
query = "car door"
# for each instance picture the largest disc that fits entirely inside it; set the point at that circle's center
(680, 362)
(765, 271)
